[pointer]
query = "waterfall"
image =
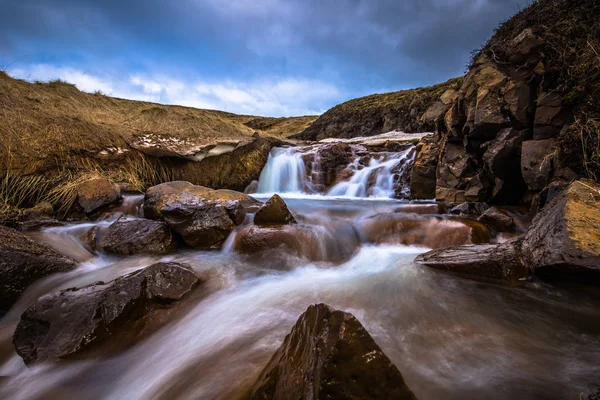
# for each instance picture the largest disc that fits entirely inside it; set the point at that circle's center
(284, 173)
(384, 176)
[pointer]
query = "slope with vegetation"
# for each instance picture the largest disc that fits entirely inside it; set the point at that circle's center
(53, 136)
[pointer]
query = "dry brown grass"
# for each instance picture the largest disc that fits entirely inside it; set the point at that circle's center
(51, 135)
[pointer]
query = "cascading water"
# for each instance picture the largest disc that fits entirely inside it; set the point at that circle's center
(384, 176)
(381, 168)
(284, 172)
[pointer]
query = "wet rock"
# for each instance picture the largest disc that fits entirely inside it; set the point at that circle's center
(63, 324)
(97, 193)
(236, 211)
(335, 244)
(469, 208)
(414, 230)
(497, 219)
(494, 262)
(537, 162)
(423, 173)
(202, 224)
(329, 355)
(135, 236)
(274, 212)
(564, 238)
(157, 196)
(22, 262)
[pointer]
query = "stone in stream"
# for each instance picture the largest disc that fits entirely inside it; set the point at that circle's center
(497, 219)
(94, 194)
(274, 212)
(564, 238)
(62, 324)
(493, 262)
(22, 262)
(470, 208)
(329, 355)
(157, 196)
(135, 236)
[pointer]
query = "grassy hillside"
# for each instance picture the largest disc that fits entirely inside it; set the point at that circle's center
(52, 134)
(380, 113)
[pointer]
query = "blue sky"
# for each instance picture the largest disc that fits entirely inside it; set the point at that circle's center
(260, 57)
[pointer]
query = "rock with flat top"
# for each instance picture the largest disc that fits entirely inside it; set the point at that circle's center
(274, 212)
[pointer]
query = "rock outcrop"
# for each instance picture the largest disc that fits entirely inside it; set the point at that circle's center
(135, 236)
(564, 238)
(63, 324)
(274, 212)
(330, 355)
(22, 262)
(423, 173)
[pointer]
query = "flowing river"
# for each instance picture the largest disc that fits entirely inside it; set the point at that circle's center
(450, 337)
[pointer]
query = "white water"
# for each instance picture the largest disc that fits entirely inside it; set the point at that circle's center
(287, 173)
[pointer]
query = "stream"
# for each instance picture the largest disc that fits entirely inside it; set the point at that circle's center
(450, 337)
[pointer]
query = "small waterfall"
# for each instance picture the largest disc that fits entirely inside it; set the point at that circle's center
(284, 173)
(385, 175)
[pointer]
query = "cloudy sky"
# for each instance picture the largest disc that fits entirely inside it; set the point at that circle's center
(264, 57)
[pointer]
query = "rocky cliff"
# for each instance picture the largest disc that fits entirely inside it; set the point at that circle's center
(526, 113)
(413, 110)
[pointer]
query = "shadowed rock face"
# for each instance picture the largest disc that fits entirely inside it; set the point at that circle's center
(61, 324)
(330, 355)
(22, 262)
(138, 236)
(274, 212)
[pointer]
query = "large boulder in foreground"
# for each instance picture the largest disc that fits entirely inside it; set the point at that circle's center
(159, 195)
(564, 238)
(135, 236)
(274, 212)
(62, 324)
(491, 262)
(329, 355)
(94, 194)
(22, 262)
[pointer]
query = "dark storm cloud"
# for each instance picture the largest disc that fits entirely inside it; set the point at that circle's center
(359, 44)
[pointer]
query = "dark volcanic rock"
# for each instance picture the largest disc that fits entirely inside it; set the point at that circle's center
(564, 238)
(136, 236)
(22, 262)
(496, 262)
(274, 212)
(330, 355)
(236, 211)
(537, 162)
(423, 173)
(469, 208)
(497, 219)
(94, 194)
(60, 325)
(202, 224)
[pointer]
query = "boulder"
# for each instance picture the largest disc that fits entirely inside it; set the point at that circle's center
(236, 211)
(415, 230)
(63, 324)
(537, 162)
(564, 237)
(135, 236)
(274, 212)
(94, 194)
(157, 196)
(493, 262)
(329, 355)
(22, 262)
(497, 219)
(549, 116)
(202, 224)
(337, 243)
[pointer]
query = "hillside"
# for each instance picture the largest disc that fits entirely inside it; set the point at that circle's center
(414, 110)
(52, 134)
